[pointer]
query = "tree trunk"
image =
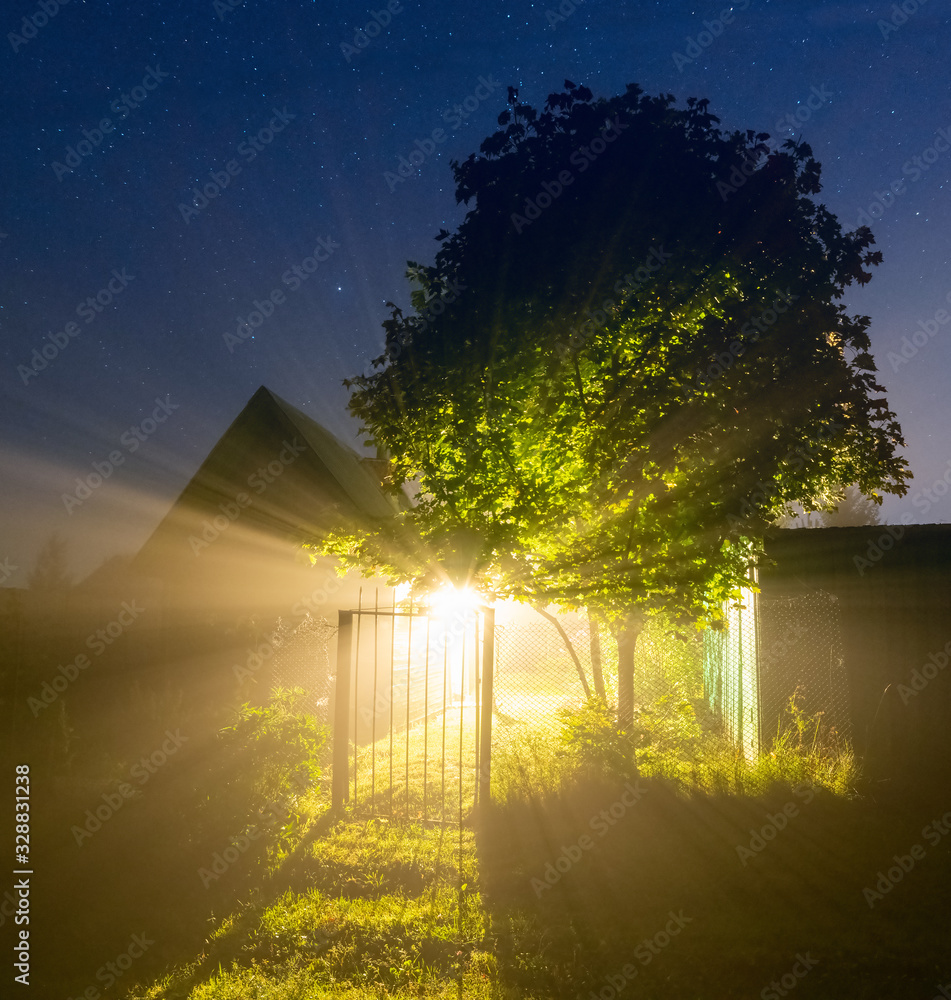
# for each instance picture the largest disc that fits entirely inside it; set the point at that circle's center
(626, 644)
(594, 630)
(569, 647)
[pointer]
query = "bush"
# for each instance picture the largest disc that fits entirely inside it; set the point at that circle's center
(267, 760)
(592, 740)
(678, 739)
(283, 745)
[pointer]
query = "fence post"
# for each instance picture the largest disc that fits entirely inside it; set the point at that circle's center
(488, 676)
(341, 745)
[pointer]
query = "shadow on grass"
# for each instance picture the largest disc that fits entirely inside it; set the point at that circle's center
(136, 878)
(597, 888)
(696, 896)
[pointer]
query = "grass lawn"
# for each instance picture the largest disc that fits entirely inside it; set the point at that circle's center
(606, 887)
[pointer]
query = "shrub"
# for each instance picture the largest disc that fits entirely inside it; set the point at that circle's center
(266, 760)
(594, 743)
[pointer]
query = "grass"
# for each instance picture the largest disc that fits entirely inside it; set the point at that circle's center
(428, 772)
(553, 892)
(368, 909)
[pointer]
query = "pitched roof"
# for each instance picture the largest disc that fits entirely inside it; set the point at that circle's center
(277, 472)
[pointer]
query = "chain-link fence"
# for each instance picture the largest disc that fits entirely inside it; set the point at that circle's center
(708, 711)
(801, 657)
(776, 672)
(302, 660)
(543, 668)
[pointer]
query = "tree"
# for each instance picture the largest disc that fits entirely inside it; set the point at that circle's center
(51, 572)
(625, 363)
(853, 509)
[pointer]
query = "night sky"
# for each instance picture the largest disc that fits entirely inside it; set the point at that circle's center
(294, 129)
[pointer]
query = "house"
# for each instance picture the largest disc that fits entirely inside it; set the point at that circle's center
(231, 542)
(239, 599)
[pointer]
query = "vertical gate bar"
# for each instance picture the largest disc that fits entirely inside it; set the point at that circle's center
(356, 689)
(376, 645)
(476, 710)
(462, 717)
(445, 712)
(409, 674)
(341, 750)
(392, 669)
(488, 678)
(426, 717)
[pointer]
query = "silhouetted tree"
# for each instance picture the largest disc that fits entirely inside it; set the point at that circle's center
(51, 572)
(853, 510)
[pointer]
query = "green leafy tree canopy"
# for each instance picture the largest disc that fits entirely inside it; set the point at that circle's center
(628, 360)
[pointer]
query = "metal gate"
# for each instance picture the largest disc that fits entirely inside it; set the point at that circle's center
(413, 712)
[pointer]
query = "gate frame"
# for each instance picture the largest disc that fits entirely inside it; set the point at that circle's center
(340, 787)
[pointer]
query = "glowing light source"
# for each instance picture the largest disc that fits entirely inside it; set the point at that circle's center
(451, 602)
(455, 610)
